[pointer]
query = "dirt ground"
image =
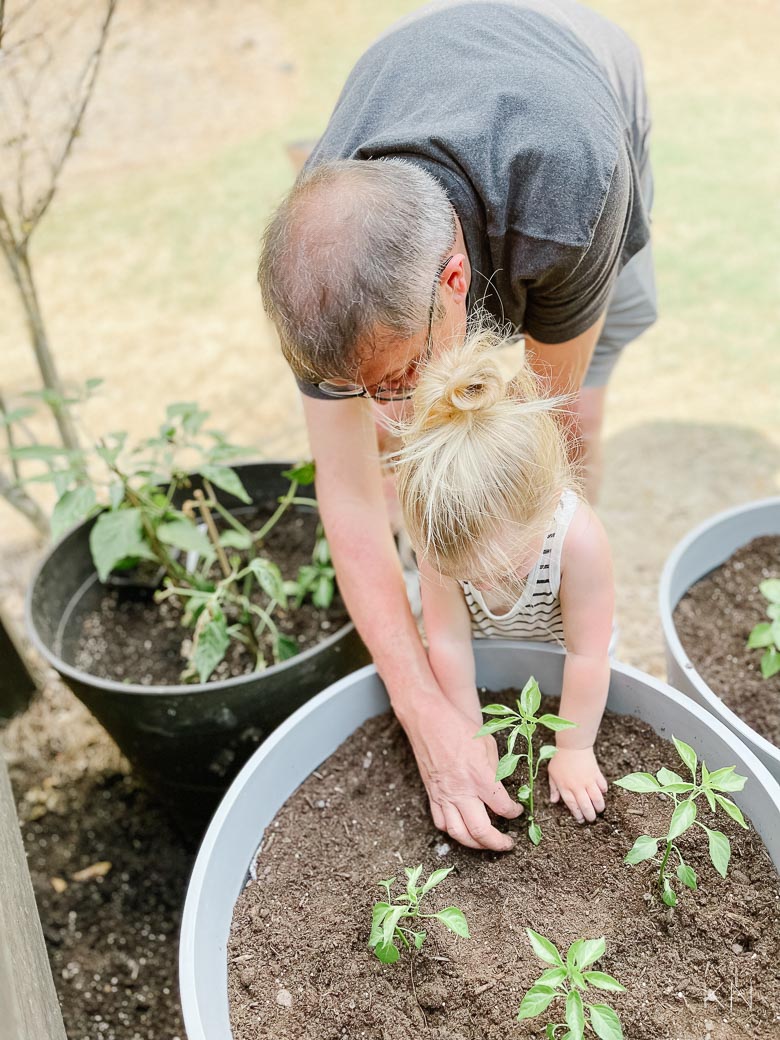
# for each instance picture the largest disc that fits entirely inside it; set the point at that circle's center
(146, 262)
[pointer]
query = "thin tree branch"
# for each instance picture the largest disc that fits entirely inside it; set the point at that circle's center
(22, 502)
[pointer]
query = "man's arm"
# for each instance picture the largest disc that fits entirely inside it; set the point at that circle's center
(563, 365)
(458, 772)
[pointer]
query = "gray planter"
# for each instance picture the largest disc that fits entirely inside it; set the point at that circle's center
(317, 729)
(186, 741)
(704, 549)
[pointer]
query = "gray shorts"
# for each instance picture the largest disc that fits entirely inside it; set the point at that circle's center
(633, 306)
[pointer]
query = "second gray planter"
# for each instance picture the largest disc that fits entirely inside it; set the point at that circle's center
(701, 551)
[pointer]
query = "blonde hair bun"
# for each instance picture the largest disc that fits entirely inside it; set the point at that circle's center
(460, 384)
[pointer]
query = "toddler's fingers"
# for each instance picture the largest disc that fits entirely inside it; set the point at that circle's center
(586, 806)
(571, 804)
(596, 797)
(604, 786)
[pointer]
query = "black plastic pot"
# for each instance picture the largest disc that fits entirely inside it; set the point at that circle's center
(186, 741)
(16, 684)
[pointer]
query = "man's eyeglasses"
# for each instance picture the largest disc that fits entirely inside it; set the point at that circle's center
(342, 388)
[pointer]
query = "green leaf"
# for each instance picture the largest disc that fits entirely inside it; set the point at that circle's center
(285, 648)
(455, 920)
(544, 949)
(387, 953)
(773, 610)
(269, 578)
(497, 709)
(551, 977)
(72, 507)
(710, 798)
(667, 776)
(506, 766)
(14, 415)
(575, 1015)
(590, 950)
(760, 636)
(523, 793)
(720, 850)
(419, 939)
(40, 453)
(770, 589)
(116, 493)
(640, 783)
(601, 980)
(412, 877)
(117, 537)
(303, 473)
(770, 663)
(687, 754)
(605, 1023)
(212, 643)
(682, 818)
(667, 894)
(184, 534)
(645, 847)
(530, 698)
(226, 479)
(392, 917)
(555, 722)
(435, 879)
(377, 917)
(231, 539)
(733, 810)
(323, 591)
(727, 780)
(687, 875)
(534, 833)
(546, 752)
(537, 1000)
(493, 726)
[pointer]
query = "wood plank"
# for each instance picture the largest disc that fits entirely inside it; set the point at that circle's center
(29, 1009)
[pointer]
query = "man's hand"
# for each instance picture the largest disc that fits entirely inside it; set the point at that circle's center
(575, 776)
(459, 775)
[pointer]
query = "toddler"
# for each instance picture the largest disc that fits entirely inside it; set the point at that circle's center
(506, 546)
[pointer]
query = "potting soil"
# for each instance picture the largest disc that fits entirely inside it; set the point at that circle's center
(713, 621)
(130, 637)
(300, 967)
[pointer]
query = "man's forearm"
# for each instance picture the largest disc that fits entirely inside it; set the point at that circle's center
(373, 589)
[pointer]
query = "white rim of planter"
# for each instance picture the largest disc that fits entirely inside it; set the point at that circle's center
(729, 530)
(230, 845)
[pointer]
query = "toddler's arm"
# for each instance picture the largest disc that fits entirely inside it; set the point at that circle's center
(448, 629)
(587, 604)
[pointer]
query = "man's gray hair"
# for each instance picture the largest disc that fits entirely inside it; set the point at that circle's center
(352, 249)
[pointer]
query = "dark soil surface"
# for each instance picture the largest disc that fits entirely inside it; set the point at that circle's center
(111, 932)
(714, 620)
(130, 637)
(300, 968)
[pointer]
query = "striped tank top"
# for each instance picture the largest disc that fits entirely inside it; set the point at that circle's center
(537, 613)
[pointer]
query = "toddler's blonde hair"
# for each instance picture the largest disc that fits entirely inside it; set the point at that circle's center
(479, 453)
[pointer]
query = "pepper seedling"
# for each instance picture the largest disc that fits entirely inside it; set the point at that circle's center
(766, 634)
(569, 978)
(386, 916)
(523, 723)
(671, 785)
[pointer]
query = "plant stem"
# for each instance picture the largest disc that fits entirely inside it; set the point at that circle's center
(664, 861)
(284, 504)
(532, 779)
(211, 527)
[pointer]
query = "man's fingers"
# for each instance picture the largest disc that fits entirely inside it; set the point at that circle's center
(457, 829)
(596, 797)
(555, 794)
(480, 829)
(437, 815)
(500, 801)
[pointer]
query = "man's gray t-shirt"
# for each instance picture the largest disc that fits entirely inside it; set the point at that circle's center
(532, 115)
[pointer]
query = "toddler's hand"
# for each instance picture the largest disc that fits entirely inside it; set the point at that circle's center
(575, 776)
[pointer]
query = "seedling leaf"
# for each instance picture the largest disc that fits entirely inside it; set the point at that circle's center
(387, 953)
(436, 878)
(575, 1015)
(770, 589)
(537, 999)
(733, 810)
(667, 895)
(760, 636)
(530, 698)
(682, 818)
(455, 920)
(727, 780)
(497, 709)
(605, 1023)
(640, 783)
(645, 847)
(226, 479)
(770, 663)
(601, 980)
(687, 875)
(555, 722)
(535, 833)
(506, 766)
(720, 850)
(544, 949)
(687, 754)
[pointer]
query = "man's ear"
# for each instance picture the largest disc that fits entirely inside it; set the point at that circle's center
(454, 277)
